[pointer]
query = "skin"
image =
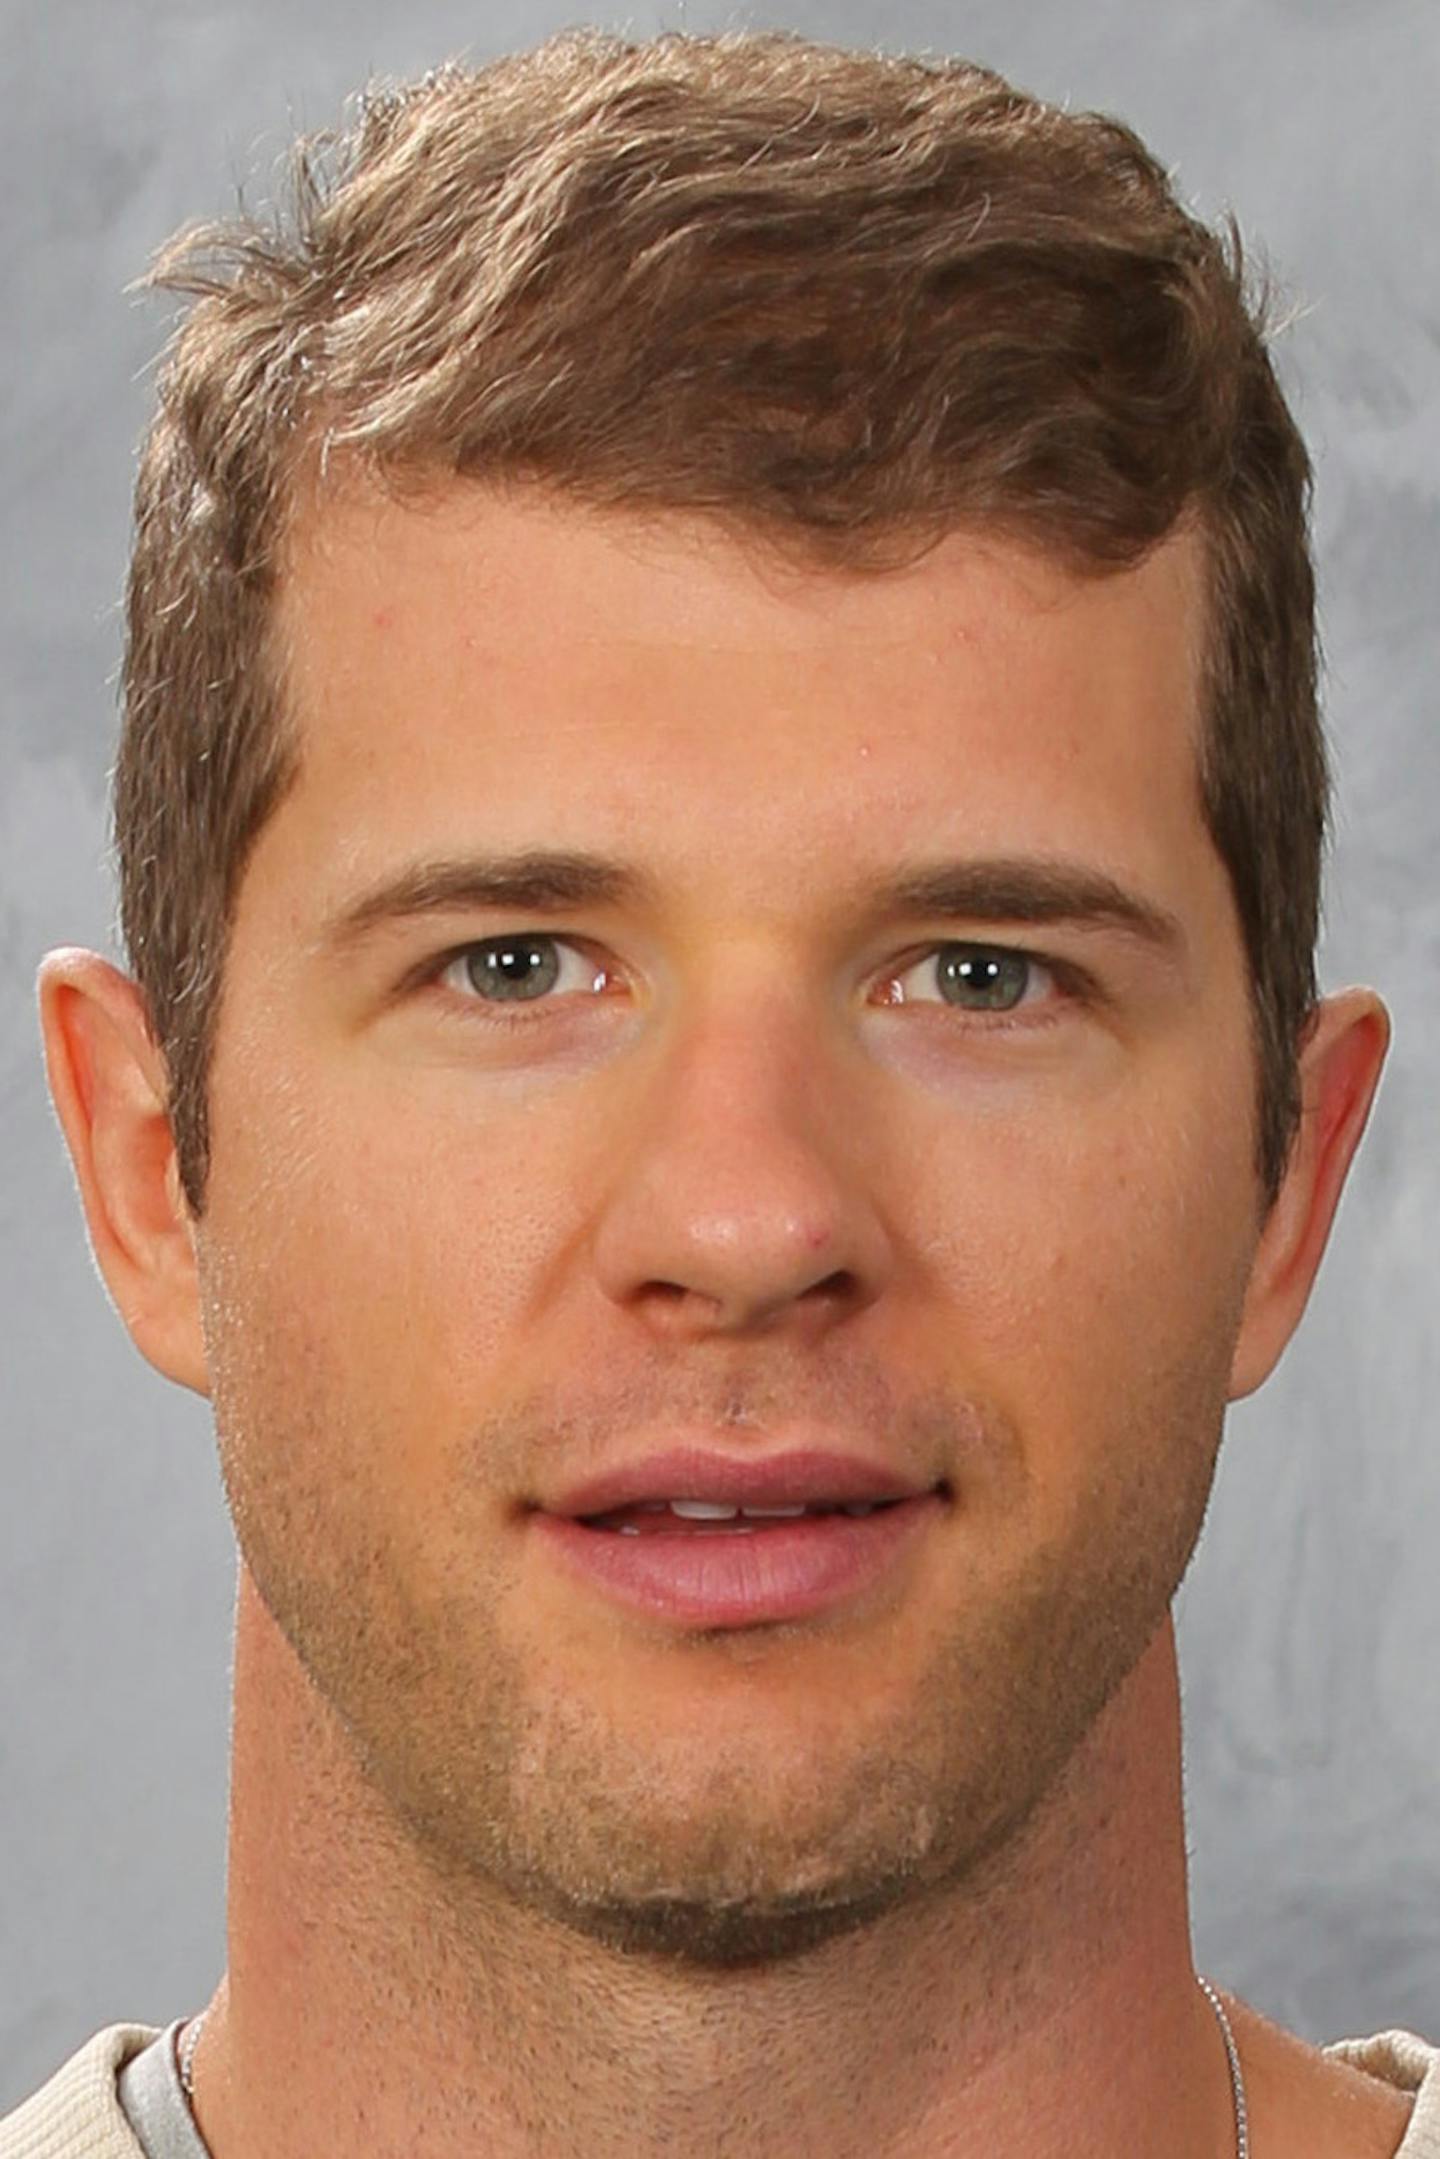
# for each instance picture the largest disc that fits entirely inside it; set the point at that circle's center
(512, 1870)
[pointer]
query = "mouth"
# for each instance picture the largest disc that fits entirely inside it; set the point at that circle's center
(715, 1563)
(820, 1478)
(712, 1518)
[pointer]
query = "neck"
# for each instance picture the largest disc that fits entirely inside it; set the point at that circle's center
(1052, 2008)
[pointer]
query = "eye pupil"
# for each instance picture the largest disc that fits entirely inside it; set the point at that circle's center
(984, 980)
(513, 968)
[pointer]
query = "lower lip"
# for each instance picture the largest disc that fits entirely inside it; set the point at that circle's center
(785, 1570)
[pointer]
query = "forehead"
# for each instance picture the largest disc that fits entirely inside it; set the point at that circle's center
(477, 657)
(464, 555)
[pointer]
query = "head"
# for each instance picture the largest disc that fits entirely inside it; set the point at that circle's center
(843, 302)
(783, 473)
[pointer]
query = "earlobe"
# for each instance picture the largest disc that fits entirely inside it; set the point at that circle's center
(109, 1086)
(1340, 1066)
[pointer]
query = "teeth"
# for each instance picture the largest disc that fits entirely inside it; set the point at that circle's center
(709, 1510)
(706, 1510)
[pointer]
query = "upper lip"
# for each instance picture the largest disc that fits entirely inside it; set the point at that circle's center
(807, 1477)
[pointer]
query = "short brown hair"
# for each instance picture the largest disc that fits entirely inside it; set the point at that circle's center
(846, 301)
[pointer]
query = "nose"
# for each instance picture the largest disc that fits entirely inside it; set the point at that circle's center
(745, 1197)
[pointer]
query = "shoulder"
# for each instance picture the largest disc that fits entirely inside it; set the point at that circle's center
(1406, 2063)
(1373, 2098)
(77, 2113)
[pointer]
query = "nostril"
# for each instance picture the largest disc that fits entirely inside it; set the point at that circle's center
(834, 1287)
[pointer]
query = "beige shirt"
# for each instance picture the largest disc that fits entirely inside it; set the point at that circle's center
(78, 2115)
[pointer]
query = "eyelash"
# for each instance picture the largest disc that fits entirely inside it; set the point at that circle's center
(1075, 984)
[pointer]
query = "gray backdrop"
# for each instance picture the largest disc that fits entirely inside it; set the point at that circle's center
(1309, 1620)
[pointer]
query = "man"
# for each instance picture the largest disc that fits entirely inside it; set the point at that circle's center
(720, 821)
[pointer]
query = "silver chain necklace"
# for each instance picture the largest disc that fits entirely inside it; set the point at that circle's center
(1232, 2055)
(1237, 2081)
(187, 2055)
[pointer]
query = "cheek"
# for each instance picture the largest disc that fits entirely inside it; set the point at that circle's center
(403, 1238)
(1085, 1269)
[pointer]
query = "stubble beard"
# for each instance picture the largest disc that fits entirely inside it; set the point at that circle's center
(503, 1794)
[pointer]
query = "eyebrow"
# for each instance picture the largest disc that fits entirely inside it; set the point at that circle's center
(991, 890)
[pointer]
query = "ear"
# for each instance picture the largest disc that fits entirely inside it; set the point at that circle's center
(110, 1088)
(1340, 1065)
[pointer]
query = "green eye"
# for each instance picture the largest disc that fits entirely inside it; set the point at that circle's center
(982, 978)
(510, 970)
(522, 968)
(979, 979)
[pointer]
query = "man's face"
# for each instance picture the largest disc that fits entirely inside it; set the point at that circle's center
(755, 1160)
